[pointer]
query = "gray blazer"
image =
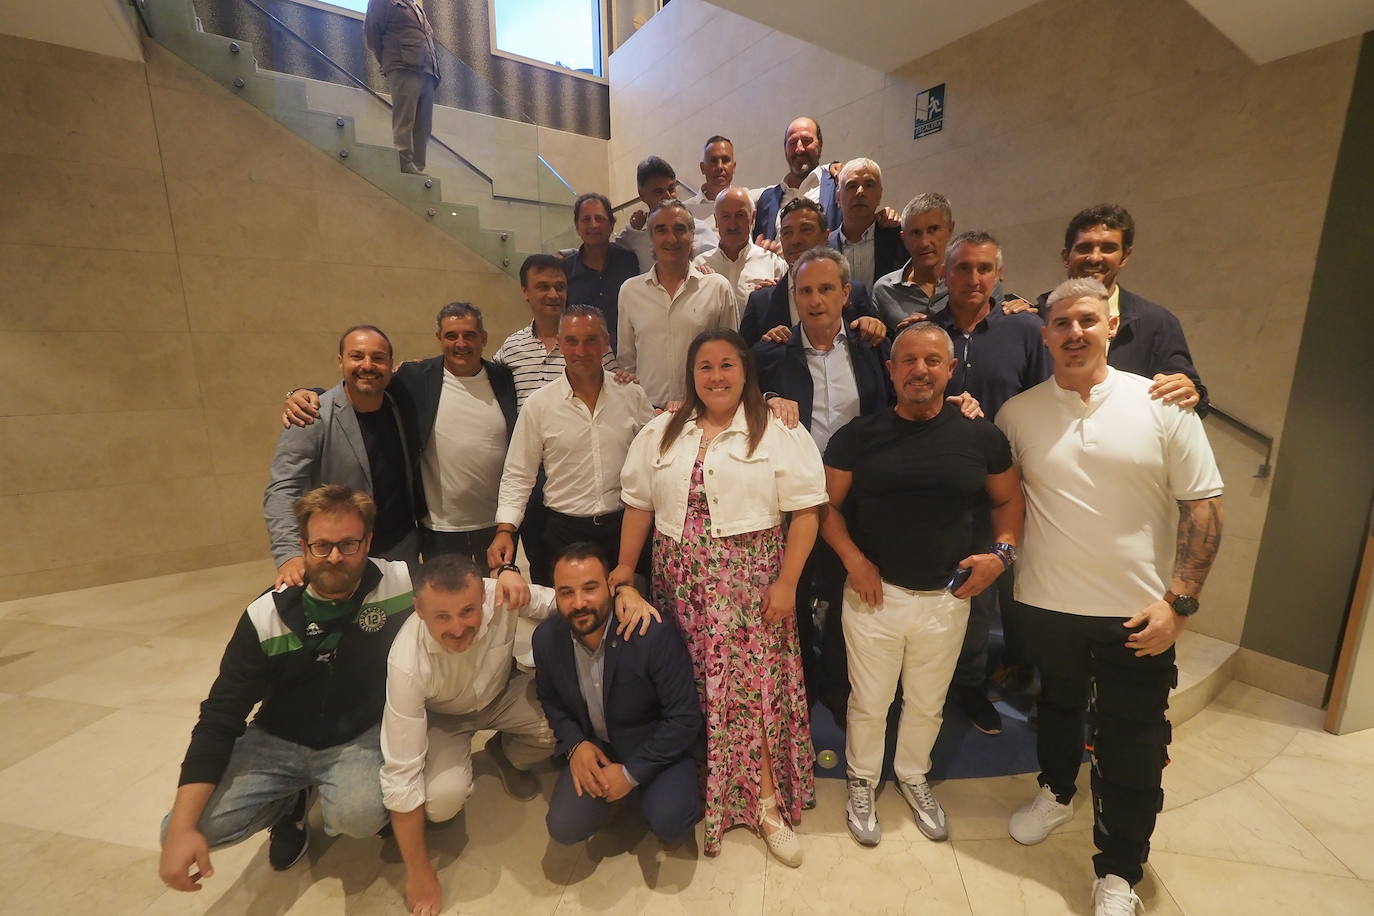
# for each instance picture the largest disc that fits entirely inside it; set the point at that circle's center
(330, 450)
(398, 39)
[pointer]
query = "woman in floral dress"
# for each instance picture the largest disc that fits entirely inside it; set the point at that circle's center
(714, 481)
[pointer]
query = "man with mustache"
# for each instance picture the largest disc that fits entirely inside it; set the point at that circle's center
(746, 265)
(1123, 523)
(363, 442)
(625, 713)
(314, 657)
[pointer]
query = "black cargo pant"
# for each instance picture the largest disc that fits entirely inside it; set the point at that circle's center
(1086, 670)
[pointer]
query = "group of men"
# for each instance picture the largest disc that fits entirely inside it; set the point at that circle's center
(891, 339)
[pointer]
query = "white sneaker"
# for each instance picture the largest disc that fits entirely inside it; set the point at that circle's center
(1112, 896)
(1033, 821)
(777, 834)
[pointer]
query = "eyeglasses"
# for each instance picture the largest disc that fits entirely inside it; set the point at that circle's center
(323, 549)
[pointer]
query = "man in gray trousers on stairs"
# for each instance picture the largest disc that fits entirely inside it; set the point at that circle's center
(399, 35)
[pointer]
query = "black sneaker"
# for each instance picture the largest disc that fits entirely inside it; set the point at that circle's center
(519, 784)
(979, 710)
(290, 836)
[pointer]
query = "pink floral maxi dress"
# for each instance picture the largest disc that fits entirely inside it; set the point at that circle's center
(748, 673)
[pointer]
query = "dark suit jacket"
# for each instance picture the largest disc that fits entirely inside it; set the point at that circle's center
(783, 370)
(653, 712)
(416, 386)
(767, 308)
(770, 203)
(889, 253)
(1149, 341)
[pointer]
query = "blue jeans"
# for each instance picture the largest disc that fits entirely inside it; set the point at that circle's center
(670, 803)
(265, 774)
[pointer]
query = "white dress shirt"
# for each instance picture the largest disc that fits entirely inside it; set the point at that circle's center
(421, 674)
(461, 465)
(744, 492)
(753, 265)
(834, 389)
(657, 328)
(809, 188)
(860, 256)
(582, 451)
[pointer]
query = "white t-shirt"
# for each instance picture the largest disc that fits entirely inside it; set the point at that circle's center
(462, 463)
(1102, 483)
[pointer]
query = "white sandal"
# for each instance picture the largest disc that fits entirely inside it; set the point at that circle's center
(781, 841)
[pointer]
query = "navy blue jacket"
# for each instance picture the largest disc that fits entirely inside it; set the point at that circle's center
(1149, 341)
(783, 371)
(770, 203)
(767, 308)
(653, 712)
(889, 253)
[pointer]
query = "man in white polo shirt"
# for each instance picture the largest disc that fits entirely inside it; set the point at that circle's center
(661, 311)
(746, 265)
(579, 427)
(1123, 521)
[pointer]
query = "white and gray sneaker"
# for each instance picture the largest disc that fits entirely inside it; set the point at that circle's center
(1033, 821)
(1112, 896)
(861, 815)
(930, 817)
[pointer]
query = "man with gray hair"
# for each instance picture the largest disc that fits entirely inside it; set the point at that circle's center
(1124, 520)
(916, 290)
(904, 485)
(999, 356)
(662, 309)
(872, 249)
(746, 265)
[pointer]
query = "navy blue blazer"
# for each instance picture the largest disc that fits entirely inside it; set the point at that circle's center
(653, 712)
(767, 308)
(1149, 341)
(889, 253)
(770, 203)
(783, 370)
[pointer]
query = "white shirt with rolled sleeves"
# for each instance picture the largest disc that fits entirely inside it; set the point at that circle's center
(744, 492)
(582, 450)
(421, 674)
(1103, 480)
(656, 329)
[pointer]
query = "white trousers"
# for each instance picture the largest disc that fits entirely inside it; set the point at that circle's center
(914, 637)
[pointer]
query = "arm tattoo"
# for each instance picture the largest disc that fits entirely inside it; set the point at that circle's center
(1199, 536)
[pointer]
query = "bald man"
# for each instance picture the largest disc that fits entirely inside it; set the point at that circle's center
(746, 265)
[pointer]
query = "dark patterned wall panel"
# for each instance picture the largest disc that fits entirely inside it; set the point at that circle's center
(473, 78)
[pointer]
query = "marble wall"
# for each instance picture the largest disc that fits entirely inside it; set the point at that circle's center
(1226, 166)
(173, 262)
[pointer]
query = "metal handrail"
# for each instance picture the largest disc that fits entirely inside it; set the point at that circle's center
(634, 200)
(1236, 423)
(142, 19)
(361, 84)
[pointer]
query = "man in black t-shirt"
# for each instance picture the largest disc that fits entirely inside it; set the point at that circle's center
(904, 485)
(360, 441)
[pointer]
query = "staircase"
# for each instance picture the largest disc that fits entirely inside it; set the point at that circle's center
(352, 124)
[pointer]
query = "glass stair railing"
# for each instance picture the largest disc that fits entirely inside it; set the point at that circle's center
(481, 171)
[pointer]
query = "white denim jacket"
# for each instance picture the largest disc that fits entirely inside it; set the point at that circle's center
(744, 492)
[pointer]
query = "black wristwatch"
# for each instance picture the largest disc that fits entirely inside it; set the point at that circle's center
(1183, 605)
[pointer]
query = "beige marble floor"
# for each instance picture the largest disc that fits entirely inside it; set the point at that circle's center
(1266, 813)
